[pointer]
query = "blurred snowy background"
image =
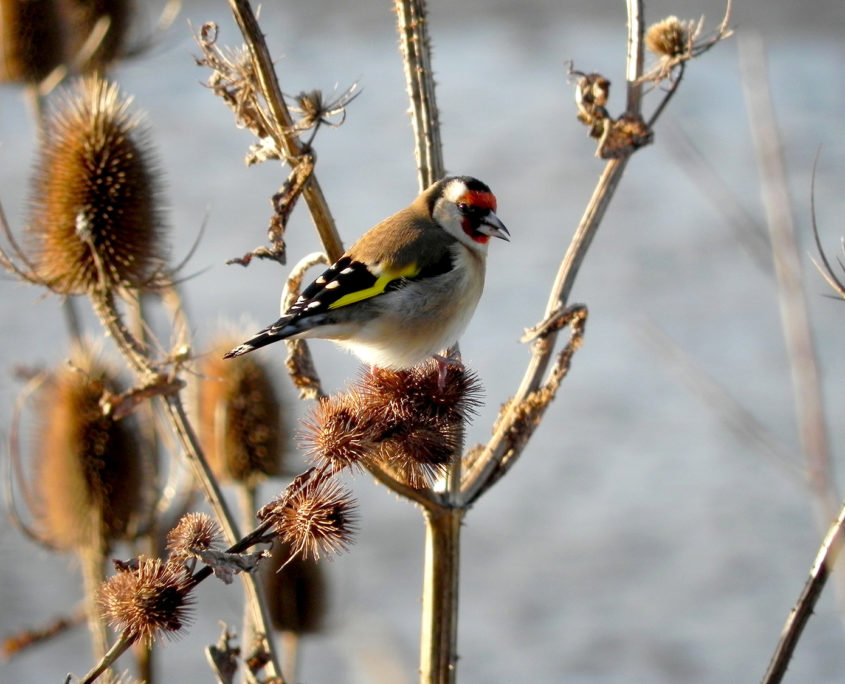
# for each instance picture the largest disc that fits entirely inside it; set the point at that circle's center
(638, 540)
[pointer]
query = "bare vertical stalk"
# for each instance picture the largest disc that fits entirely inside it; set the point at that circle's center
(415, 46)
(91, 560)
(438, 646)
(250, 629)
(797, 332)
(441, 572)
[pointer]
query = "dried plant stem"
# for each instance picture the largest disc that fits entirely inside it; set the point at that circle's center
(290, 650)
(415, 47)
(136, 357)
(477, 478)
(74, 328)
(809, 404)
(250, 630)
(439, 629)
(283, 129)
(825, 560)
(488, 467)
(118, 648)
(93, 575)
(438, 647)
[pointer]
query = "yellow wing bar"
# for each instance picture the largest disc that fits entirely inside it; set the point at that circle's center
(377, 287)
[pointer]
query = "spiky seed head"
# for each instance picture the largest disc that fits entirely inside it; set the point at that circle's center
(148, 600)
(89, 470)
(95, 223)
(240, 416)
(668, 37)
(297, 596)
(418, 454)
(30, 40)
(419, 393)
(81, 17)
(337, 432)
(318, 517)
(414, 416)
(194, 532)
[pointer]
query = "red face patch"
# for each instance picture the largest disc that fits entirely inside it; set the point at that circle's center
(480, 238)
(477, 198)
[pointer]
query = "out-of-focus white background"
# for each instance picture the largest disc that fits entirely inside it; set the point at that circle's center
(638, 540)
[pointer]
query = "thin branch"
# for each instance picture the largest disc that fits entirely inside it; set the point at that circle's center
(825, 269)
(798, 335)
(488, 461)
(27, 638)
(803, 609)
(518, 421)
(118, 649)
(28, 273)
(542, 350)
(15, 473)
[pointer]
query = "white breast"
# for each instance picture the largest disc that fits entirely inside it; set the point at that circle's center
(422, 318)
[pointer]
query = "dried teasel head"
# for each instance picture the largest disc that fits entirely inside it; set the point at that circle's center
(315, 110)
(668, 38)
(103, 24)
(194, 532)
(297, 596)
(337, 433)
(419, 454)
(95, 223)
(416, 417)
(314, 515)
(89, 473)
(30, 40)
(240, 421)
(147, 599)
(421, 393)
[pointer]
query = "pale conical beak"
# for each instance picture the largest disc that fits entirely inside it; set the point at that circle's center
(492, 226)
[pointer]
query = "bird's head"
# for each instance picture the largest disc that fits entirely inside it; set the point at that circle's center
(466, 209)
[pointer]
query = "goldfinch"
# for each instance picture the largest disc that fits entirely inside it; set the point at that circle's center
(407, 288)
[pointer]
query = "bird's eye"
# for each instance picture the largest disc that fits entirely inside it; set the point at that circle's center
(463, 207)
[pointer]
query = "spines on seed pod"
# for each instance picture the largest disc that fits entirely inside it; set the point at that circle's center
(95, 219)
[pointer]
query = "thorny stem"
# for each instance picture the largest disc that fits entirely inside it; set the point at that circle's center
(439, 629)
(282, 132)
(415, 47)
(132, 351)
(803, 609)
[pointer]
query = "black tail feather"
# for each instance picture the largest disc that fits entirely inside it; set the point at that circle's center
(272, 333)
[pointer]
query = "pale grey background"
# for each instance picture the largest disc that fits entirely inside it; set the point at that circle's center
(638, 540)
